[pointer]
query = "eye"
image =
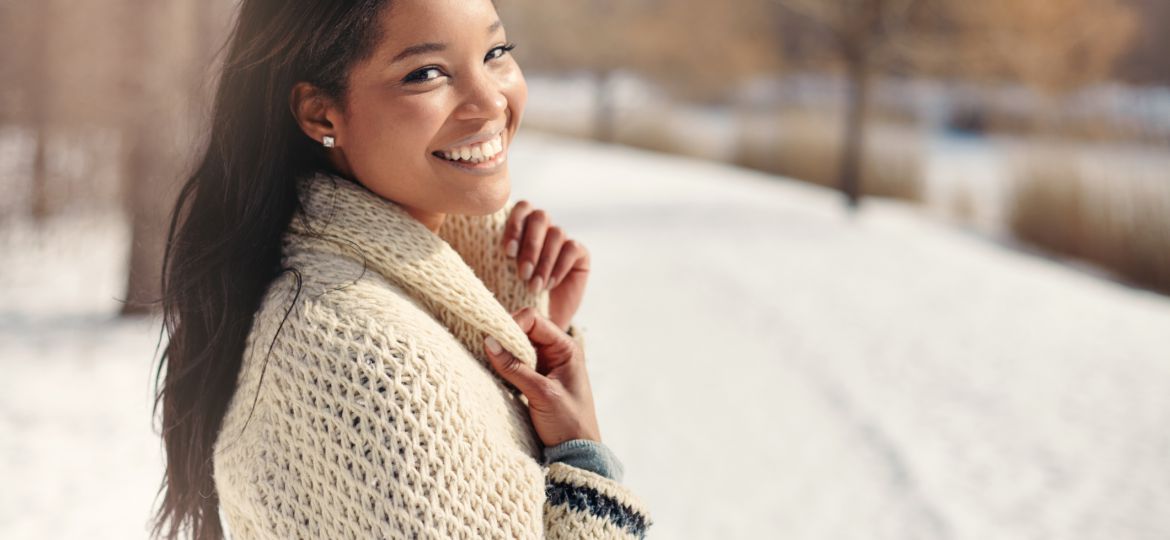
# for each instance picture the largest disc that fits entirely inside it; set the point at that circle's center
(421, 75)
(503, 49)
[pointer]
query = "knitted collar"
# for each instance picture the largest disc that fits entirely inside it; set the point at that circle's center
(405, 252)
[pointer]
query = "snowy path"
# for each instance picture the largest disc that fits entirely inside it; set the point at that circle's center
(764, 366)
(767, 368)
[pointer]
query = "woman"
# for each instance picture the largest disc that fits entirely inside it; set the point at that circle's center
(367, 340)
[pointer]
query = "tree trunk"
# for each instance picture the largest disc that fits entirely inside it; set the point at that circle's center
(38, 96)
(39, 189)
(852, 152)
(146, 172)
(144, 158)
(153, 168)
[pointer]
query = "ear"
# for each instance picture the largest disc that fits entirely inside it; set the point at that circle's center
(314, 112)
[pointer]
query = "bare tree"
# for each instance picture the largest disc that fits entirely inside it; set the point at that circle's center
(701, 49)
(1146, 63)
(1054, 46)
(592, 36)
(693, 46)
(165, 73)
(862, 32)
(37, 88)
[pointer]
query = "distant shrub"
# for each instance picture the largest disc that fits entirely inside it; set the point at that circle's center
(806, 145)
(649, 134)
(1116, 217)
(644, 130)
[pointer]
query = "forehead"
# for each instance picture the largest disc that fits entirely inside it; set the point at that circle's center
(407, 22)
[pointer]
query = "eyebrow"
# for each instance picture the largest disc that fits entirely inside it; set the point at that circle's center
(423, 48)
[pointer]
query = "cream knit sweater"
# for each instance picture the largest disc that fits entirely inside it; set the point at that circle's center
(376, 412)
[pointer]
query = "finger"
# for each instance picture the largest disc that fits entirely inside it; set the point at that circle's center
(541, 331)
(514, 227)
(524, 378)
(554, 238)
(572, 254)
(554, 348)
(535, 227)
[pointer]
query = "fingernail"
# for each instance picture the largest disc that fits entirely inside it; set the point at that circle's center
(526, 270)
(493, 345)
(513, 248)
(552, 283)
(537, 283)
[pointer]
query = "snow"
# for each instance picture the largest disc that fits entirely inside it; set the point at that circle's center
(765, 366)
(79, 457)
(974, 167)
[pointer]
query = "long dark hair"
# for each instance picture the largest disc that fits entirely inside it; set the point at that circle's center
(223, 242)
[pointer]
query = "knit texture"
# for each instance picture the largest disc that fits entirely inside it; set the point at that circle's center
(365, 406)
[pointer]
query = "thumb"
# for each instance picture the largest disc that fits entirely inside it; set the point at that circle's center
(541, 331)
(524, 378)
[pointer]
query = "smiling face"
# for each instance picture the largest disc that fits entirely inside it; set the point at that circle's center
(440, 83)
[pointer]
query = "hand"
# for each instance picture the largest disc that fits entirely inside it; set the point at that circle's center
(560, 400)
(547, 258)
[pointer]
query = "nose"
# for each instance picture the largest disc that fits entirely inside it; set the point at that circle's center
(482, 98)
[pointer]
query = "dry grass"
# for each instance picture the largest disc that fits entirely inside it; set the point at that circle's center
(644, 131)
(651, 134)
(1072, 123)
(578, 130)
(1116, 217)
(805, 145)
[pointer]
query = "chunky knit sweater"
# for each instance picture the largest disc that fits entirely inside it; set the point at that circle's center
(365, 406)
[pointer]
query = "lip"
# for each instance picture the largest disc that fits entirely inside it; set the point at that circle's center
(483, 168)
(483, 136)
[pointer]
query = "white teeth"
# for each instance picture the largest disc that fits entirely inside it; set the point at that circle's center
(477, 153)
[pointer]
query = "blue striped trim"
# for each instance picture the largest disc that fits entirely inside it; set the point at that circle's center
(605, 507)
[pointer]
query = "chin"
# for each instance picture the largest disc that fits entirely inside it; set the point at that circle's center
(489, 198)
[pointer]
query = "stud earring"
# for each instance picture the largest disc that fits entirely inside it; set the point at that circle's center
(327, 141)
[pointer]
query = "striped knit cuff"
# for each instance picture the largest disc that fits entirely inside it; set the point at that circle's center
(586, 454)
(608, 503)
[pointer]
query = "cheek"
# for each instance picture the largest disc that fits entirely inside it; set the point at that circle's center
(397, 128)
(516, 91)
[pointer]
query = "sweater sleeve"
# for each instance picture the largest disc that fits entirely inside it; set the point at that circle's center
(586, 454)
(584, 504)
(367, 438)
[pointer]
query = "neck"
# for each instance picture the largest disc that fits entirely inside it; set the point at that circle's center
(432, 220)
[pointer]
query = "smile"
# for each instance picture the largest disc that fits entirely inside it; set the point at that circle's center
(481, 158)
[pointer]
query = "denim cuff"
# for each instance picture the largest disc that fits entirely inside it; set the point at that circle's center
(586, 454)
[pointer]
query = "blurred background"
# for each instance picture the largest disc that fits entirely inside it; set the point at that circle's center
(920, 250)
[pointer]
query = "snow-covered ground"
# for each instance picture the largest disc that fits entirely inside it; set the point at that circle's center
(765, 366)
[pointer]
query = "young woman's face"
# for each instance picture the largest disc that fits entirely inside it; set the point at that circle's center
(441, 80)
